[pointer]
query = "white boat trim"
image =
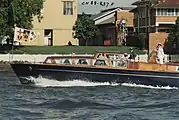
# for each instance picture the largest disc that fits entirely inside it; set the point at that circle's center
(108, 73)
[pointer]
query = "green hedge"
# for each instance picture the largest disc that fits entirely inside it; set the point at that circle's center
(71, 49)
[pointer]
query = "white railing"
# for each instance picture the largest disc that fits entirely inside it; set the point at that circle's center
(32, 57)
(41, 57)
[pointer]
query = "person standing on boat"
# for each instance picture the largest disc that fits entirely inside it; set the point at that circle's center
(132, 54)
(160, 54)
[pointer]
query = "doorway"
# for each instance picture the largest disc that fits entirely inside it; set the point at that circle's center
(48, 37)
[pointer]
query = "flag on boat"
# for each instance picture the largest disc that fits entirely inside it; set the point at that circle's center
(23, 35)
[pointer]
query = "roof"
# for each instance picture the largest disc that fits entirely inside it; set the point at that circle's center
(167, 6)
(127, 8)
(108, 11)
(168, 3)
(171, 2)
(140, 2)
(122, 8)
(133, 10)
(108, 16)
(159, 3)
(108, 21)
(104, 13)
(98, 15)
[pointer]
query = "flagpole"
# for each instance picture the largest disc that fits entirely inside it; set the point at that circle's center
(12, 8)
(12, 48)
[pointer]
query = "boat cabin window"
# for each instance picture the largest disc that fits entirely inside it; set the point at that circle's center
(100, 56)
(58, 61)
(110, 56)
(48, 60)
(82, 61)
(100, 62)
(66, 61)
(117, 57)
(113, 56)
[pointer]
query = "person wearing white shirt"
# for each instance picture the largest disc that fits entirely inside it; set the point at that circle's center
(160, 54)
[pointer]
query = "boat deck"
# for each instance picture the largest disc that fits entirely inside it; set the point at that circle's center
(109, 60)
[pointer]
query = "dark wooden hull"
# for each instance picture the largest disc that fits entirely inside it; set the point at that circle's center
(94, 74)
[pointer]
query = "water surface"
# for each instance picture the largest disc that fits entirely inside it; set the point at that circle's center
(80, 100)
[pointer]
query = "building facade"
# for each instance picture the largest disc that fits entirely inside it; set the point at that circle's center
(109, 22)
(55, 27)
(154, 18)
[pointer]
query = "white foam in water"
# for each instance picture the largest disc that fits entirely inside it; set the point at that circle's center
(148, 86)
(44, 82)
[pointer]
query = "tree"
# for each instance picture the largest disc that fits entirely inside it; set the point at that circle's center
(3, 18)
(19, 13)
(2, 24)
(173, 38)
(85, 29)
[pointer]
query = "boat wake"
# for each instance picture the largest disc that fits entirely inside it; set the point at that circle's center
(44, 82)
(148, 86)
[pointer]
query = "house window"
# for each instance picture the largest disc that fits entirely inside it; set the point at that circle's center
(177, 12)
(159, 12)
(68, 7)
(166, 12)
(170, 12)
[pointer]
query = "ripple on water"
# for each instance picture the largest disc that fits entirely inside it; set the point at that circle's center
(86, 101)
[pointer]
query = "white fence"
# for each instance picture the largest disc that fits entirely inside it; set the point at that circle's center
(30, 57)
(41, 57)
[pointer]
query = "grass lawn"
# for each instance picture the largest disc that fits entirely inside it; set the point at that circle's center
(71, 49)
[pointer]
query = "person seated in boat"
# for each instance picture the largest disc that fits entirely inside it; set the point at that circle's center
(123, 60)
(132, 54)
(160, 54)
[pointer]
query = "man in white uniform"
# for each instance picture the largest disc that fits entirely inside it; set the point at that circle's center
(160, 54)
